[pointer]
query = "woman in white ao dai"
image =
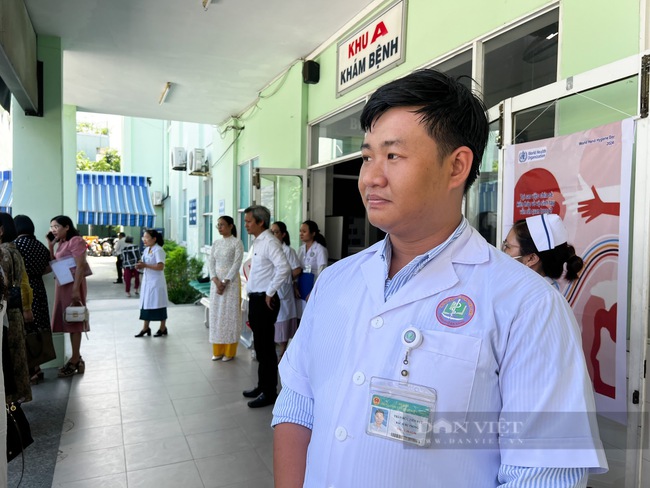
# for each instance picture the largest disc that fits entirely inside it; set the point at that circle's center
(225, 291)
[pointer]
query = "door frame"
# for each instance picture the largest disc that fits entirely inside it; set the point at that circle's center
(639, 240)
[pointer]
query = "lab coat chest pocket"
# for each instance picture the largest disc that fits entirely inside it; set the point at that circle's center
(446, 362)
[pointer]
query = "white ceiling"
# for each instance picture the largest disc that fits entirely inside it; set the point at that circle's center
(118, 54)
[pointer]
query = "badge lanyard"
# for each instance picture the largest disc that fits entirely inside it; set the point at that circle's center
(412, 339)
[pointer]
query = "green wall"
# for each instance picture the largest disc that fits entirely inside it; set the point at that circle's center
(592, 34)
(273, 129)
(224, 174)
(595, 33)
(44, 166)
(429, 35)
(605, 105)
(39, 147)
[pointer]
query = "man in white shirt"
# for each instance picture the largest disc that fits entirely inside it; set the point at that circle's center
(475, 360)
(117, 251)
(269, 270)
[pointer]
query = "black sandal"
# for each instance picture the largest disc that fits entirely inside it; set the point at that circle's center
(37, 376)
(71, 368)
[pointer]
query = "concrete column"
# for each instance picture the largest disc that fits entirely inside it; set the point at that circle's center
(44, 163)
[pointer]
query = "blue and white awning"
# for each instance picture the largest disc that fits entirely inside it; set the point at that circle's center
(114, 199)
(6, 193)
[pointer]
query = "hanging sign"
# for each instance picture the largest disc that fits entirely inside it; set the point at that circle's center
(371, 50)
(192, 215)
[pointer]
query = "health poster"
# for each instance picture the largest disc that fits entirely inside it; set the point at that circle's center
(585, 178)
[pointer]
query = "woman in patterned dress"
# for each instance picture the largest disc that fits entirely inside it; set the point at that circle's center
(37, 263)
(13, 268)
(225, 291)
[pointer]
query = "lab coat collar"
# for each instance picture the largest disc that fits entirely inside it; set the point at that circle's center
(438, 275)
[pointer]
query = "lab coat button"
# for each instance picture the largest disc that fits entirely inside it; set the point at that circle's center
(359, 378)
(377, 322)
(341, 434)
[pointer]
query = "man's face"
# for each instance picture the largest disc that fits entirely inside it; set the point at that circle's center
(403, 182)
(379, 417)
(252, 227)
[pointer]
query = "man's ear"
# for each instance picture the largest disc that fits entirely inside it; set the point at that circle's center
(461, 166)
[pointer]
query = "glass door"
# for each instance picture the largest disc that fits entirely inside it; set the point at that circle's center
(283, 192)
(605, 95)
(481, 201)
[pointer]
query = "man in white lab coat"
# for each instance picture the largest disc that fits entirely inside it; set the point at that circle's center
(476, 361)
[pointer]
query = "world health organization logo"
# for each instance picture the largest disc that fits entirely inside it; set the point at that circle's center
(523, 156)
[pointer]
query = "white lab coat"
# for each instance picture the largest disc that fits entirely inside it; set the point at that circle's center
(153, 290)
(519, 353)
(315, 258)
(288, 309)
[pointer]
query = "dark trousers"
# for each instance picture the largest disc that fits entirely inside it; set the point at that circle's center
(129, 273)
(118, 266)
(262, 321)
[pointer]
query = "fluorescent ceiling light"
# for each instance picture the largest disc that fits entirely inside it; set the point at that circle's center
(165, 92)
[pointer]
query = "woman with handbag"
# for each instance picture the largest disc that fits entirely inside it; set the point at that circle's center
(65, 237)
(36, 256)
(19, 310)
(153, 290)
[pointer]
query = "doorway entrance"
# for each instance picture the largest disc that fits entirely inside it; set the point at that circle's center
(347, 228)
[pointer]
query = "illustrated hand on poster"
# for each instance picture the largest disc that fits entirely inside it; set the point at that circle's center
(590, 202)
(590, 209)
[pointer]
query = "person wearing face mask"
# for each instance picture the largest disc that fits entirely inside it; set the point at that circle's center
(540, 242)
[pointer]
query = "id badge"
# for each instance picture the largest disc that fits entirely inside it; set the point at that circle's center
(401, 411)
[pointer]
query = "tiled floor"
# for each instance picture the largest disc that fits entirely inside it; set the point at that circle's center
(157, 412)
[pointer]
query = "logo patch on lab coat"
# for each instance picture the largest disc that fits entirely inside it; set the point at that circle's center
(455, 311)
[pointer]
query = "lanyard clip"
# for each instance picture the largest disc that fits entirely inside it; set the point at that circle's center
(411, 338)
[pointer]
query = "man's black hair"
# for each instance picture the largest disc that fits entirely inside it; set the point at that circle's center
(452, 115)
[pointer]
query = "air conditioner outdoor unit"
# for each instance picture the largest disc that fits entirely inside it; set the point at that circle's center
(197, 164)
(178, 159)
(157, 198)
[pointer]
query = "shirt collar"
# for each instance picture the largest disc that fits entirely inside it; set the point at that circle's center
(416, 265)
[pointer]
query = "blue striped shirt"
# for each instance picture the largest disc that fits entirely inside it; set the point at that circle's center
(415, 266)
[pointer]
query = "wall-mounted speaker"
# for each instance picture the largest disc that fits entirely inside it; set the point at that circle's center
(310, 72)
